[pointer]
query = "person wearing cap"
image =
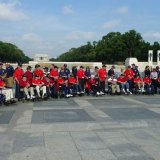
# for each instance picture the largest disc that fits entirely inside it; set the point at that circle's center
(18, 73)
(27, 88)
(9, 75)
(129, 74)
(38, 71)
(80, 78)
(7, 92)
(29, 75)
(39, 86)
(102, 73)
(66, 70)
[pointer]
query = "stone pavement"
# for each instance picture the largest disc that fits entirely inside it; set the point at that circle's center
(82, 128)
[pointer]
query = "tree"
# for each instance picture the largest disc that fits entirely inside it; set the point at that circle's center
(132, 41)
(11, 53)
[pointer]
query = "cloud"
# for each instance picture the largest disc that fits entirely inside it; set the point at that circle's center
(152, 35)
(68, 9)
(111, 24)
(78, 35)
(9, 11)
(31, 37)
(122, 10)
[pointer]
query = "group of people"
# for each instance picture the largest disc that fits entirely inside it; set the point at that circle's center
(42, 83)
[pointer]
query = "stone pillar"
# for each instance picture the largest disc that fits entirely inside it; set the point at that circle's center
(158, 58)
(150, 57)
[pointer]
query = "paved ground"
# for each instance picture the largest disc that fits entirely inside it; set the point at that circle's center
(84, 128)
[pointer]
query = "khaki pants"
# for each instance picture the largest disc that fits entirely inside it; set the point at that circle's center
(9, 82)
(115, 88)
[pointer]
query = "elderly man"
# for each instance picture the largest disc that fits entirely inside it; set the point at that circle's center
(9, 76)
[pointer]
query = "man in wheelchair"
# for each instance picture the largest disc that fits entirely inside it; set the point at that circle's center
(7, 92)
(39, 87)
(26, 88)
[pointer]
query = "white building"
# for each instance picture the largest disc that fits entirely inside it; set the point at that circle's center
(41, 58)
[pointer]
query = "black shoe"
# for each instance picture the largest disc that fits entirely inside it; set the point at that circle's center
(13, 101)
(7, 103)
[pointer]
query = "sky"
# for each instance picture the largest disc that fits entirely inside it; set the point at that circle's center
(54, 26)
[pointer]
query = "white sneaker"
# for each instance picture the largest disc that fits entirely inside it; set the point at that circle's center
(130, 92)
(98, 94)
(70, 95)
(78, 92)
(82, 92)
(67, 95)
(28, 97)
(101, 93)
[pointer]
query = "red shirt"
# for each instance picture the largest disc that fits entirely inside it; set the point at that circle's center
(36, 81)
(29, 76)
(129, 74)
(136, 80)
(39, 73)
(80, 74)
(92, 81)
(18, 73)
(54, 73)
(102, 74)
(46, 81)
(24, 83)
(121, 79)
(72, 80)
(60, 81)
(158, 79)
(2, 84)
(147, 80)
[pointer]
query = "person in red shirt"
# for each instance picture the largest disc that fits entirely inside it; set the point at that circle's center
(138, 82)
(63, 87)
(73, 84)
(7, 92)
(80, 78)
(39, 86)
(27, 88)
(54, 73)
(94, 85)
(102, 73)
(29, 74)
(38, 71)
(18, 73)
(149, 88)
(129, 74)
(124, 85)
